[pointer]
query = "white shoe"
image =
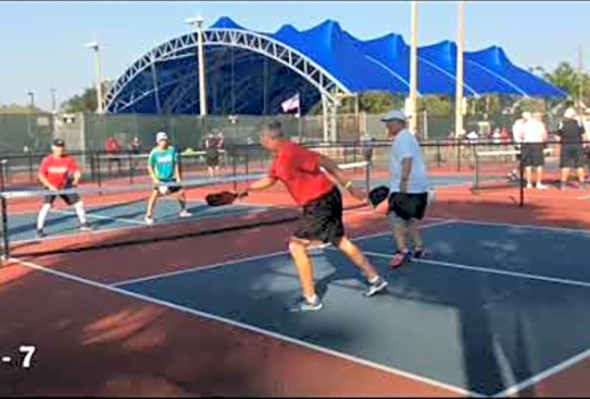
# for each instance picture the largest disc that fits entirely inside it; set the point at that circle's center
(185, 214)
(541, 186)
(149, 221)
(529, 186)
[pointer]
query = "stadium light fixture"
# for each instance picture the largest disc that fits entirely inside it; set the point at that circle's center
(197, 23)
(96, 48)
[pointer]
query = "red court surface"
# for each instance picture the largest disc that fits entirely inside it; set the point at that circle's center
(95, 339)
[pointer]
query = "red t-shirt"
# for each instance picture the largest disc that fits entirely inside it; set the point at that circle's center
(299, 170)
(58, 171)
(112, 145)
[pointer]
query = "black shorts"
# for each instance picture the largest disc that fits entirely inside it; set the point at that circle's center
(69, 199)
(408, 206)
(572, 156)
(322, 220)
(212, 158)
(532, 154)
(171, 189)
(518, 156)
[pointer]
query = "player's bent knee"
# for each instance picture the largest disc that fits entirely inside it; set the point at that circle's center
(297, 245)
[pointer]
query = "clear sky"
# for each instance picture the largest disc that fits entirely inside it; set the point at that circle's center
(43, 42)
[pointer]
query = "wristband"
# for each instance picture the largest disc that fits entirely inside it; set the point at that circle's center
(348, 184)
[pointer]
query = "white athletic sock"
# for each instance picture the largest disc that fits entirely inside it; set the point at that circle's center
(79, 206)
(374, 279)
(312, 299)
(42, 215)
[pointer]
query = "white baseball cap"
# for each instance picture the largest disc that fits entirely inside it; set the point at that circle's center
(161, 136)
(395, 115)
(570, 113)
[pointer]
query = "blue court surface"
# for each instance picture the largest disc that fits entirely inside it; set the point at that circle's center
(491, 306)
(22, 227)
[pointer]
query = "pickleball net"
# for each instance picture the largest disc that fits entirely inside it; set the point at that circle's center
(116, 214)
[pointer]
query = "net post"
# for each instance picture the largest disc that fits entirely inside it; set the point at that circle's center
(180, 164)
(476, 175)
(2, 175)
(92, 168)
(130, 163)
(234, 166)
(5, 241)
(458, 145)
(99, 174)
(247, 159)
(30, 156)
(367, 177)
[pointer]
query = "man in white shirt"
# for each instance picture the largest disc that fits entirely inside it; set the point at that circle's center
(517, 135)
(533, 135)
(408, 188)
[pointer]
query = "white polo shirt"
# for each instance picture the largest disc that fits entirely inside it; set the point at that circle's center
(405, 145)
(533, 131)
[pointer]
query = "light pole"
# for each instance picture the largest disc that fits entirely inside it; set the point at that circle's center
(459, 77)
(29, 123)
(31, 100)
(94, 46)
(197, 23)
(53, 102)
(411, 107)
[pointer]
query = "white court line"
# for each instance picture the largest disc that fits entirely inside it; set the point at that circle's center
(524, 226)
(247, 259)
(101, 217)
(459, 266)
(251, 328)
(551, 371)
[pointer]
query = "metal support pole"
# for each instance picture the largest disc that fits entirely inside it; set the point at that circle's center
(521, 182)
(459, 77)
(414, 68)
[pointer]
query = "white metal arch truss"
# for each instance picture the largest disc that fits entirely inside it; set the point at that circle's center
(185, 46)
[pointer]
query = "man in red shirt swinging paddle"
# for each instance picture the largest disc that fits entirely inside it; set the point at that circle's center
(59, 171)
(299, 170)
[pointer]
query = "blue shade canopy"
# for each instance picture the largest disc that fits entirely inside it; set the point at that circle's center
(249, 72)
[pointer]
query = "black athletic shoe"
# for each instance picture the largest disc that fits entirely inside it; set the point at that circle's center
(418, 252)
(40, 233)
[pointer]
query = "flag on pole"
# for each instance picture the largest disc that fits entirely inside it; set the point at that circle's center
(291, 104)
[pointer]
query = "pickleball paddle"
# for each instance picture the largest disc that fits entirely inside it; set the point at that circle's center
(378, 195)
(222, 198)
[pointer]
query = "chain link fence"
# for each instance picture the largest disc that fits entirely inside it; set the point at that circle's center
(88, 132)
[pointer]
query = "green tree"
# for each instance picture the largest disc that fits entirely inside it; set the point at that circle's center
(85, 102)
(564, 77)
(435, 105)
(19, 109)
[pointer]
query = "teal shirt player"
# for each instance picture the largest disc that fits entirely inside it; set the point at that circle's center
(163, 163)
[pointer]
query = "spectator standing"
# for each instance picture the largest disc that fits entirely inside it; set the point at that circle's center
(572, 135)
(534, 137)
(113, 148)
